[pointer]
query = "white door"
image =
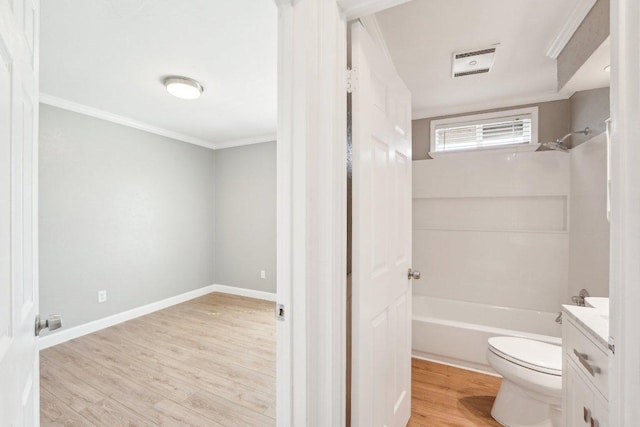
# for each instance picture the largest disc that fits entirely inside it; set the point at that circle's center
(18, 212)
(381, 343)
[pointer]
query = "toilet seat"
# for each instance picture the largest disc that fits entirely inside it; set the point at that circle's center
(535, 355)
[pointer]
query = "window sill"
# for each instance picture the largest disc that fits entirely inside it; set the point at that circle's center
(504, 149)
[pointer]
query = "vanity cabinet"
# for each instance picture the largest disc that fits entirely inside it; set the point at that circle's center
(584, 378)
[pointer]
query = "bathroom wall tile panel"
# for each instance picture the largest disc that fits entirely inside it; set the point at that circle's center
(493, 228)
(492, 175)
(510, 269)
(539, 213)
(589, 236)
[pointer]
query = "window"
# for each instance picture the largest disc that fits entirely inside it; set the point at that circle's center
(485, 131)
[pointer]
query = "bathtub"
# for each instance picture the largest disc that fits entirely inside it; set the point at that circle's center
(456, 332)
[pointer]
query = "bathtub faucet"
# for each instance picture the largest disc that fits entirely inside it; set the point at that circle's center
(559, 318)
(579, 299)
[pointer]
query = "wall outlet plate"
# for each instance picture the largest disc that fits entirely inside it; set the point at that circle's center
(263, 274)
(102, 296)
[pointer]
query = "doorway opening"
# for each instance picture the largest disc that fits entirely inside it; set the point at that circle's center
(493, 186)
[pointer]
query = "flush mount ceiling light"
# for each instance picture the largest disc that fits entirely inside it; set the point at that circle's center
(607, 68)
(183, 87)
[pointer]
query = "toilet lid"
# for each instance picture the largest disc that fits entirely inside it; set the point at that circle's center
(537, 355)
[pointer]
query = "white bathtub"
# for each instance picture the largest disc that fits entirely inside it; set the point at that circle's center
(456, 332)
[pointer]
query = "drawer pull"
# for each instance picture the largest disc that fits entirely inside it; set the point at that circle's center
(583, 358)
(594, 423)
(586, 414)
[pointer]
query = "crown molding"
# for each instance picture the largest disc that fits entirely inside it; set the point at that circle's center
(121, 120)
(352, 9)
(271, 137)
(429, 113)
(571, 24)
(65, 104)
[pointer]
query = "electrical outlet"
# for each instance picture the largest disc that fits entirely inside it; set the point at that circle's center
(102, 296)
(263, 274)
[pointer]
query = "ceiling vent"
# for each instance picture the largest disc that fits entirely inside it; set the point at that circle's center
(473, 62)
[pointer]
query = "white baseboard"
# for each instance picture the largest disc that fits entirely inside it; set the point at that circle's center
(244, 292)
(96, 325)
(443, 360)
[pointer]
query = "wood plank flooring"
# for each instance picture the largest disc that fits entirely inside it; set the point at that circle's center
(207, 362)
(443, 396)
(211, 362)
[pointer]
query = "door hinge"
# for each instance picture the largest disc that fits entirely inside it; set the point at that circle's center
(280, 312)
(612, 345)
(350, 79)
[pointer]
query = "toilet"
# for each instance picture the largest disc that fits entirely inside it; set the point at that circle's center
(531, 390)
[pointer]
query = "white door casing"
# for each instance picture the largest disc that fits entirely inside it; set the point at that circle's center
(381, 125)
(311, 374)
(19, 374)
(624, 276)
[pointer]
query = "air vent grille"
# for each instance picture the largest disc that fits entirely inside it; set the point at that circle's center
(473, 62)
(468, 73)
(475, 53)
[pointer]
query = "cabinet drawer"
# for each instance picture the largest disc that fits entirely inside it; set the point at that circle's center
(590, 359)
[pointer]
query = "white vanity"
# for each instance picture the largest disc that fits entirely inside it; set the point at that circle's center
(585, 364)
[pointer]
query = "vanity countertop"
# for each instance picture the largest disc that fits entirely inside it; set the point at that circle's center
(592, 320)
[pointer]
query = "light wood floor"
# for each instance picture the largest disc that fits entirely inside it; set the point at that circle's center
(443, 396)
(207, 362)
(211, 362)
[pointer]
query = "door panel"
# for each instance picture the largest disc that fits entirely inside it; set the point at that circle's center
(18, 213)
(381, 300)
(5, 208)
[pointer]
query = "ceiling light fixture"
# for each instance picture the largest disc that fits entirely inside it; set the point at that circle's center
(183, 87)
(607, 68)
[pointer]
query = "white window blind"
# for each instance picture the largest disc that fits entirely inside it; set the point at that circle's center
(491, 132)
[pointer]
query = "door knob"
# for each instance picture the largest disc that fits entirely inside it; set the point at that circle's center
(413, 274)
(52, 323)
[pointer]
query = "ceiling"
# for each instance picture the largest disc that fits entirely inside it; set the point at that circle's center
(112, 55)
(422, 35)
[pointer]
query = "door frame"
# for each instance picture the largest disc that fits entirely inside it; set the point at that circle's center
(312, 63)
(311, 179)
(311, 213)
(625, 213)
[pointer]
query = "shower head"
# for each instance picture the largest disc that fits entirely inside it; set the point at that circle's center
(559, 144)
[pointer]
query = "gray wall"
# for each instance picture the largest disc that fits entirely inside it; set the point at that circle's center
(591, 33)
(146, 217)
(121, 210)
(245, 216)
(553, 123)
(589, 108)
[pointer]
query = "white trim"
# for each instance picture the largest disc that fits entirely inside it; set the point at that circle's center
(271, 137)
(65, 335)
(244, 292)
(311, 363)
(352, 9)
(370, 23)
(500, 149)
(571, 24)
(624, 375)
(455, 363)
(475, 118)
(121, 120)
(428, 113)
(284, 206)
(65, 104)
